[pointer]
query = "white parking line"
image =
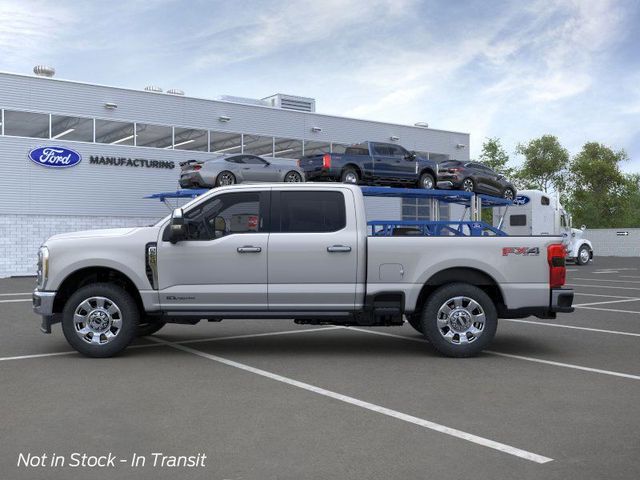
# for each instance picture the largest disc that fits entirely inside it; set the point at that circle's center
(545, 324)
(15, 301)
(13, 294)
(519, 357)
(602, 286)
(485, 442)
(198, 340)
(607, 280)
(608, 301)
(610, 310)
(600, 295)
(629, 276)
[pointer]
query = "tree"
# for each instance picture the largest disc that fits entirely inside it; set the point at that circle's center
(545, 163)
(600, 194)
(495, 157)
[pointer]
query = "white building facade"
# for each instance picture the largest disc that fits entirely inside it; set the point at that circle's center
(129, 144)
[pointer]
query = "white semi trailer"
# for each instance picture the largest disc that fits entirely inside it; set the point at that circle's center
(537, 213)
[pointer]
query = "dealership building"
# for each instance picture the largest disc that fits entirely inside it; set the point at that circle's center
(129, 144)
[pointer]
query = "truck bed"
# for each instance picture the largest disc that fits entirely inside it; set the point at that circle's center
(516, 264)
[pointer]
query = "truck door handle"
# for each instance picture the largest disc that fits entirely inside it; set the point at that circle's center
(249, 249)
(338, 248)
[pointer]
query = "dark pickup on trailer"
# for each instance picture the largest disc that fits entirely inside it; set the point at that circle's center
(372, 163)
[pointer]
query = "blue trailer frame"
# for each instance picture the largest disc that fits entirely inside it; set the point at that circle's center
(473, 227)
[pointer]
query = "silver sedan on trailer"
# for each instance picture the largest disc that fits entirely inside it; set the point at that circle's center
(230, 169)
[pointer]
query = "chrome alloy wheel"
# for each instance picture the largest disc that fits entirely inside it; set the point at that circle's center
(97, 320)
(293, 177)
(584, 255)
(508, 194)
(461, 320)
(226, 178)
(427, 182)
(467, 185)
(350, 177)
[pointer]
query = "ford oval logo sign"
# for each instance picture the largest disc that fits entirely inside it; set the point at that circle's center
(521, 200)
(55, 157)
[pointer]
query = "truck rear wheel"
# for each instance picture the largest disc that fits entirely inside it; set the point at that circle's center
(100, 320)
(415, 321)
(350, 175)
(459, 320)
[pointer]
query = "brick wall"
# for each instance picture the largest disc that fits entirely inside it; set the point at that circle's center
(22, 235)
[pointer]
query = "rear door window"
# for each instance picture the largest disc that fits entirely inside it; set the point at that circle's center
(309, 212)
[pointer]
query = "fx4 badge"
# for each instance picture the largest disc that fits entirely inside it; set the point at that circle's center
(522, 251)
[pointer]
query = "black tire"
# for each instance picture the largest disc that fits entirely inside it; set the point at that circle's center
(508, 193)
(293, 177)
(475, 344)
(149, 327)
(427, 182)
(415, 321)
(222, 176)
(128, 314)
(468, 185)
(579, 258)
(349, 173)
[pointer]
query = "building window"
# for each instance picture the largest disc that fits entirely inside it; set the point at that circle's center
(316, 148)
(257, 145)
(190, 139)
(115, 133)
(287, 148)
(225, 143)
(71, 128)
(157, 136)
(26, 124)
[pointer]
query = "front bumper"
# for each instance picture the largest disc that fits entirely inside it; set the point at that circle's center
(43, 306)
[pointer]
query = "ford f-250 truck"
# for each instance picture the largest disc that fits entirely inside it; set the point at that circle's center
(372, 163)
(297, 251)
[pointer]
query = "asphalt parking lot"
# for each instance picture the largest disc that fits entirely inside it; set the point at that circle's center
(274, 400)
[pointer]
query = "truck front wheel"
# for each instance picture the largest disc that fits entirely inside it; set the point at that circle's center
(149, 327)
(459, 320)
(100, 320)
(583, 255)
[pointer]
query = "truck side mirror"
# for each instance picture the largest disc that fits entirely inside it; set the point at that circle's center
(177, 228)
(410, 156)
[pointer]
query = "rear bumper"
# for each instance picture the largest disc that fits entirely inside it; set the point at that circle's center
(560, 301)
(320, 173)
(192, 179)
(43, 306)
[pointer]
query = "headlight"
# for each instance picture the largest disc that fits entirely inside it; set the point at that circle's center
(43, 266)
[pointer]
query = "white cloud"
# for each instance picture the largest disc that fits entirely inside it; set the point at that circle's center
(30, 29)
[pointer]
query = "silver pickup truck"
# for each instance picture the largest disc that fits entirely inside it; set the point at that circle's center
(296, 251)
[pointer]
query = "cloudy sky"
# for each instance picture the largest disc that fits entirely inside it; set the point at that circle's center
(511, 69)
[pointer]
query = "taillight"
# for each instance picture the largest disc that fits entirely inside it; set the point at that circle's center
(557, 269)
(454, 170)
(326, 161)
